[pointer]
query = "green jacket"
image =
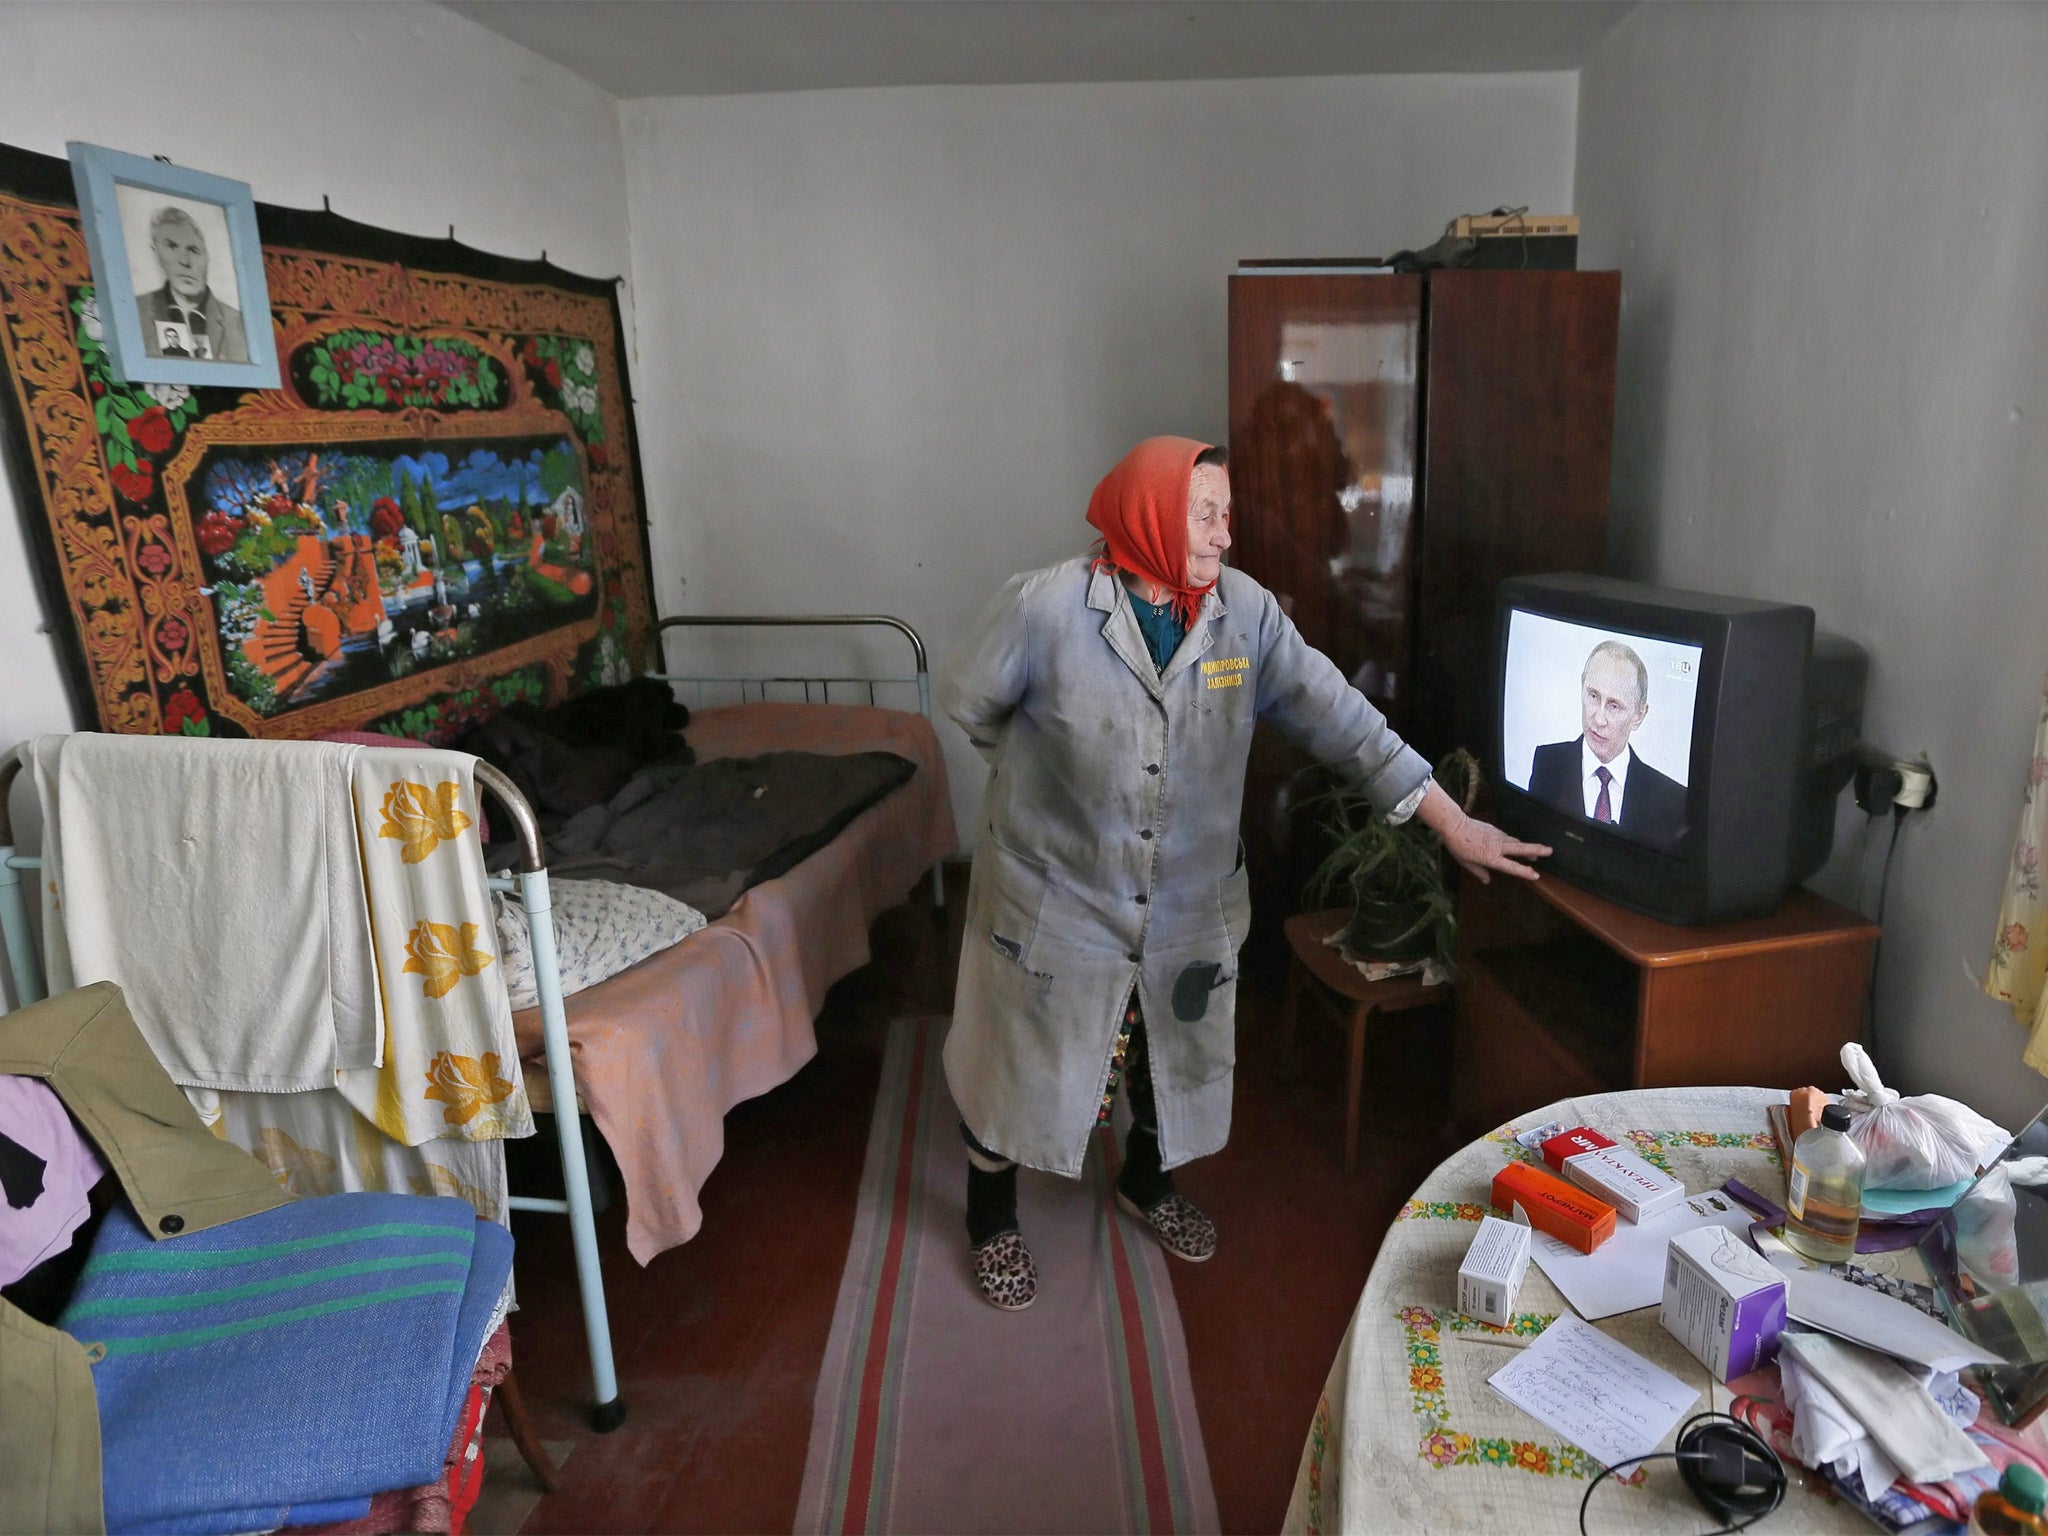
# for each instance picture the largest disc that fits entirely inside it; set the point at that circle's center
(177, 1175)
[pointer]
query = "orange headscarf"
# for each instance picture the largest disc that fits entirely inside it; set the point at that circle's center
(1141, 510)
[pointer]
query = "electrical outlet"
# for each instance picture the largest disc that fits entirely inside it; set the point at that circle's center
(1916, 786)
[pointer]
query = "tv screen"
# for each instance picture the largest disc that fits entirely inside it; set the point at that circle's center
(1658, 740)
(1598, 722)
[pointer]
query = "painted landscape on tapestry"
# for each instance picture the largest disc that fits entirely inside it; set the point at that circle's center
(332, 571)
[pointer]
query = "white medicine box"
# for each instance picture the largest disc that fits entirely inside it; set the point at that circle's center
(1490, 1278)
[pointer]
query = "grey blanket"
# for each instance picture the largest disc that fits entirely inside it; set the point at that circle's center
(705, 832)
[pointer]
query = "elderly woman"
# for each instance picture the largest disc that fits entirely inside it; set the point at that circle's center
(1115, 696)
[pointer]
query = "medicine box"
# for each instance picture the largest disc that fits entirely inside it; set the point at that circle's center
(1595, 1163)
(1550, 1205)
(1722, 1301)
(1491, 1277)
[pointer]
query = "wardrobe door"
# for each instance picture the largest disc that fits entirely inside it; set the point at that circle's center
(1520, 426)
(1323, 443)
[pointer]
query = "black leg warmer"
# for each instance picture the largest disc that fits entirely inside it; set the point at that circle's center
(1142, 1180)
(991, 1192)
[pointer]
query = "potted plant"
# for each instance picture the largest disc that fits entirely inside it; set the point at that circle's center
(1397, 879)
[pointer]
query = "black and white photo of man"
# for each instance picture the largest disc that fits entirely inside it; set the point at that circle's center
(186, 317)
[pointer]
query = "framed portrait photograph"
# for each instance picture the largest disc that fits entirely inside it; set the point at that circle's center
(177, 270)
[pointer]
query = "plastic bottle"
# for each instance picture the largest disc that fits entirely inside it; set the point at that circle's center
(1824, 1193)
(2014, 1507)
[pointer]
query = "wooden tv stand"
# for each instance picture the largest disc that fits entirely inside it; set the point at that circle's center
(1561, 992)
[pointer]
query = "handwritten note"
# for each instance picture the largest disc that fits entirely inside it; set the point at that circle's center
(1595, 1392)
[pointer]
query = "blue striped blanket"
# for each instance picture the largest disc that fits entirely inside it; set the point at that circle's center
(307, 1355)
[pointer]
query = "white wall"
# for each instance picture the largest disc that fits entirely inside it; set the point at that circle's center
(890, 339)
(1832, 223)
(407, 116)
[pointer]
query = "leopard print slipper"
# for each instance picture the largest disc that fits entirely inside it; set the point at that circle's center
(1179, 1224)
(1005, 1273)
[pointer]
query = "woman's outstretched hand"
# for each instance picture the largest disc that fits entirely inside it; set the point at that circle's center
(1478, 846)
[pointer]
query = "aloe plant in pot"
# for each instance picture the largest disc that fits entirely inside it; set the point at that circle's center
(1398, 880)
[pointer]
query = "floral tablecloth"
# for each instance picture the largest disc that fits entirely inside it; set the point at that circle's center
(1407, 1435)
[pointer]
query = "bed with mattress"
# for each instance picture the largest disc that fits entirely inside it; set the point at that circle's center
(664, 1048)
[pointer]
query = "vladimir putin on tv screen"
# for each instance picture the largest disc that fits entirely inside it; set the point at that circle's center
(1599, 776)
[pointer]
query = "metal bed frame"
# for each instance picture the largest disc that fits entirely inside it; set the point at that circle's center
(922, 678)
(530, 884)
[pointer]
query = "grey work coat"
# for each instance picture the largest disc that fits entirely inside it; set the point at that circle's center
(1109, 857)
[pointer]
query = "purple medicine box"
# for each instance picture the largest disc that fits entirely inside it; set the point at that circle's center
(1722, 1301)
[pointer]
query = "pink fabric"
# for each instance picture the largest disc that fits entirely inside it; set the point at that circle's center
(664, 1049)
(34, 1118)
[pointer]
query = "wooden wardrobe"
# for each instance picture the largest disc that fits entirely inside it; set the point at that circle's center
(1399, 443)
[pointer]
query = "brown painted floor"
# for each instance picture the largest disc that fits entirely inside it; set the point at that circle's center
(719, 1341)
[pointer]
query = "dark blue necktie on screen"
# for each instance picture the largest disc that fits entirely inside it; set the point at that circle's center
(1603, 808)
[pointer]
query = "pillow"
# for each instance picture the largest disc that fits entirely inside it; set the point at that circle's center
(600, 928)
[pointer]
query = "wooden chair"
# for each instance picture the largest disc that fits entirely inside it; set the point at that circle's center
(1354, 1002)
(511, 1406)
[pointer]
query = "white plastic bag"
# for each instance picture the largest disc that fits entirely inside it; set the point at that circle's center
(1987, 1222)
(1925, 1142)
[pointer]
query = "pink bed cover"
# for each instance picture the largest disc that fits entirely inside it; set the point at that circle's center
(664, 1049)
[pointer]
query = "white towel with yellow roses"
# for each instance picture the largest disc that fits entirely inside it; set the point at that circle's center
(450, 1065)
(218, 883)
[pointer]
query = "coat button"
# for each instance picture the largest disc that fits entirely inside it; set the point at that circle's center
(171, 1226)
(1135, 958)
(1151, 767)
(1143, 898)
(1146, 834)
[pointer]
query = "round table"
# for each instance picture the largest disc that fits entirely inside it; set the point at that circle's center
(1407, 1435)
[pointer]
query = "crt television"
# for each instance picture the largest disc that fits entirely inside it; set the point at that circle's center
(1680, 752)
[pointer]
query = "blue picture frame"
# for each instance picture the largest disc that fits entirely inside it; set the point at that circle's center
(159, 331)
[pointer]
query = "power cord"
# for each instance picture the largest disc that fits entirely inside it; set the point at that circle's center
(1904, 787)
(1730, 1468)
(1884, 882)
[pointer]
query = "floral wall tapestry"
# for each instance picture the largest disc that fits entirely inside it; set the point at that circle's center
(436, 515)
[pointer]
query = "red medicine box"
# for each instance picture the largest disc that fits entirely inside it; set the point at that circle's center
(1570, 1215)
(1596, 1164)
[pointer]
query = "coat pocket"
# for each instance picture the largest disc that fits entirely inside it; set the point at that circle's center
(1199, 1044)
(1016, 892)
(1234, 899)
(1193, 987)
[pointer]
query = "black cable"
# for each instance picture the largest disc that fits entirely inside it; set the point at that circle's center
(1870, 821)
(1884, 882)
(1717, 1493)
(1607, 1472)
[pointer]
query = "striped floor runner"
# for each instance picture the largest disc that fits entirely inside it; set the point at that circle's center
(937, 1413)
